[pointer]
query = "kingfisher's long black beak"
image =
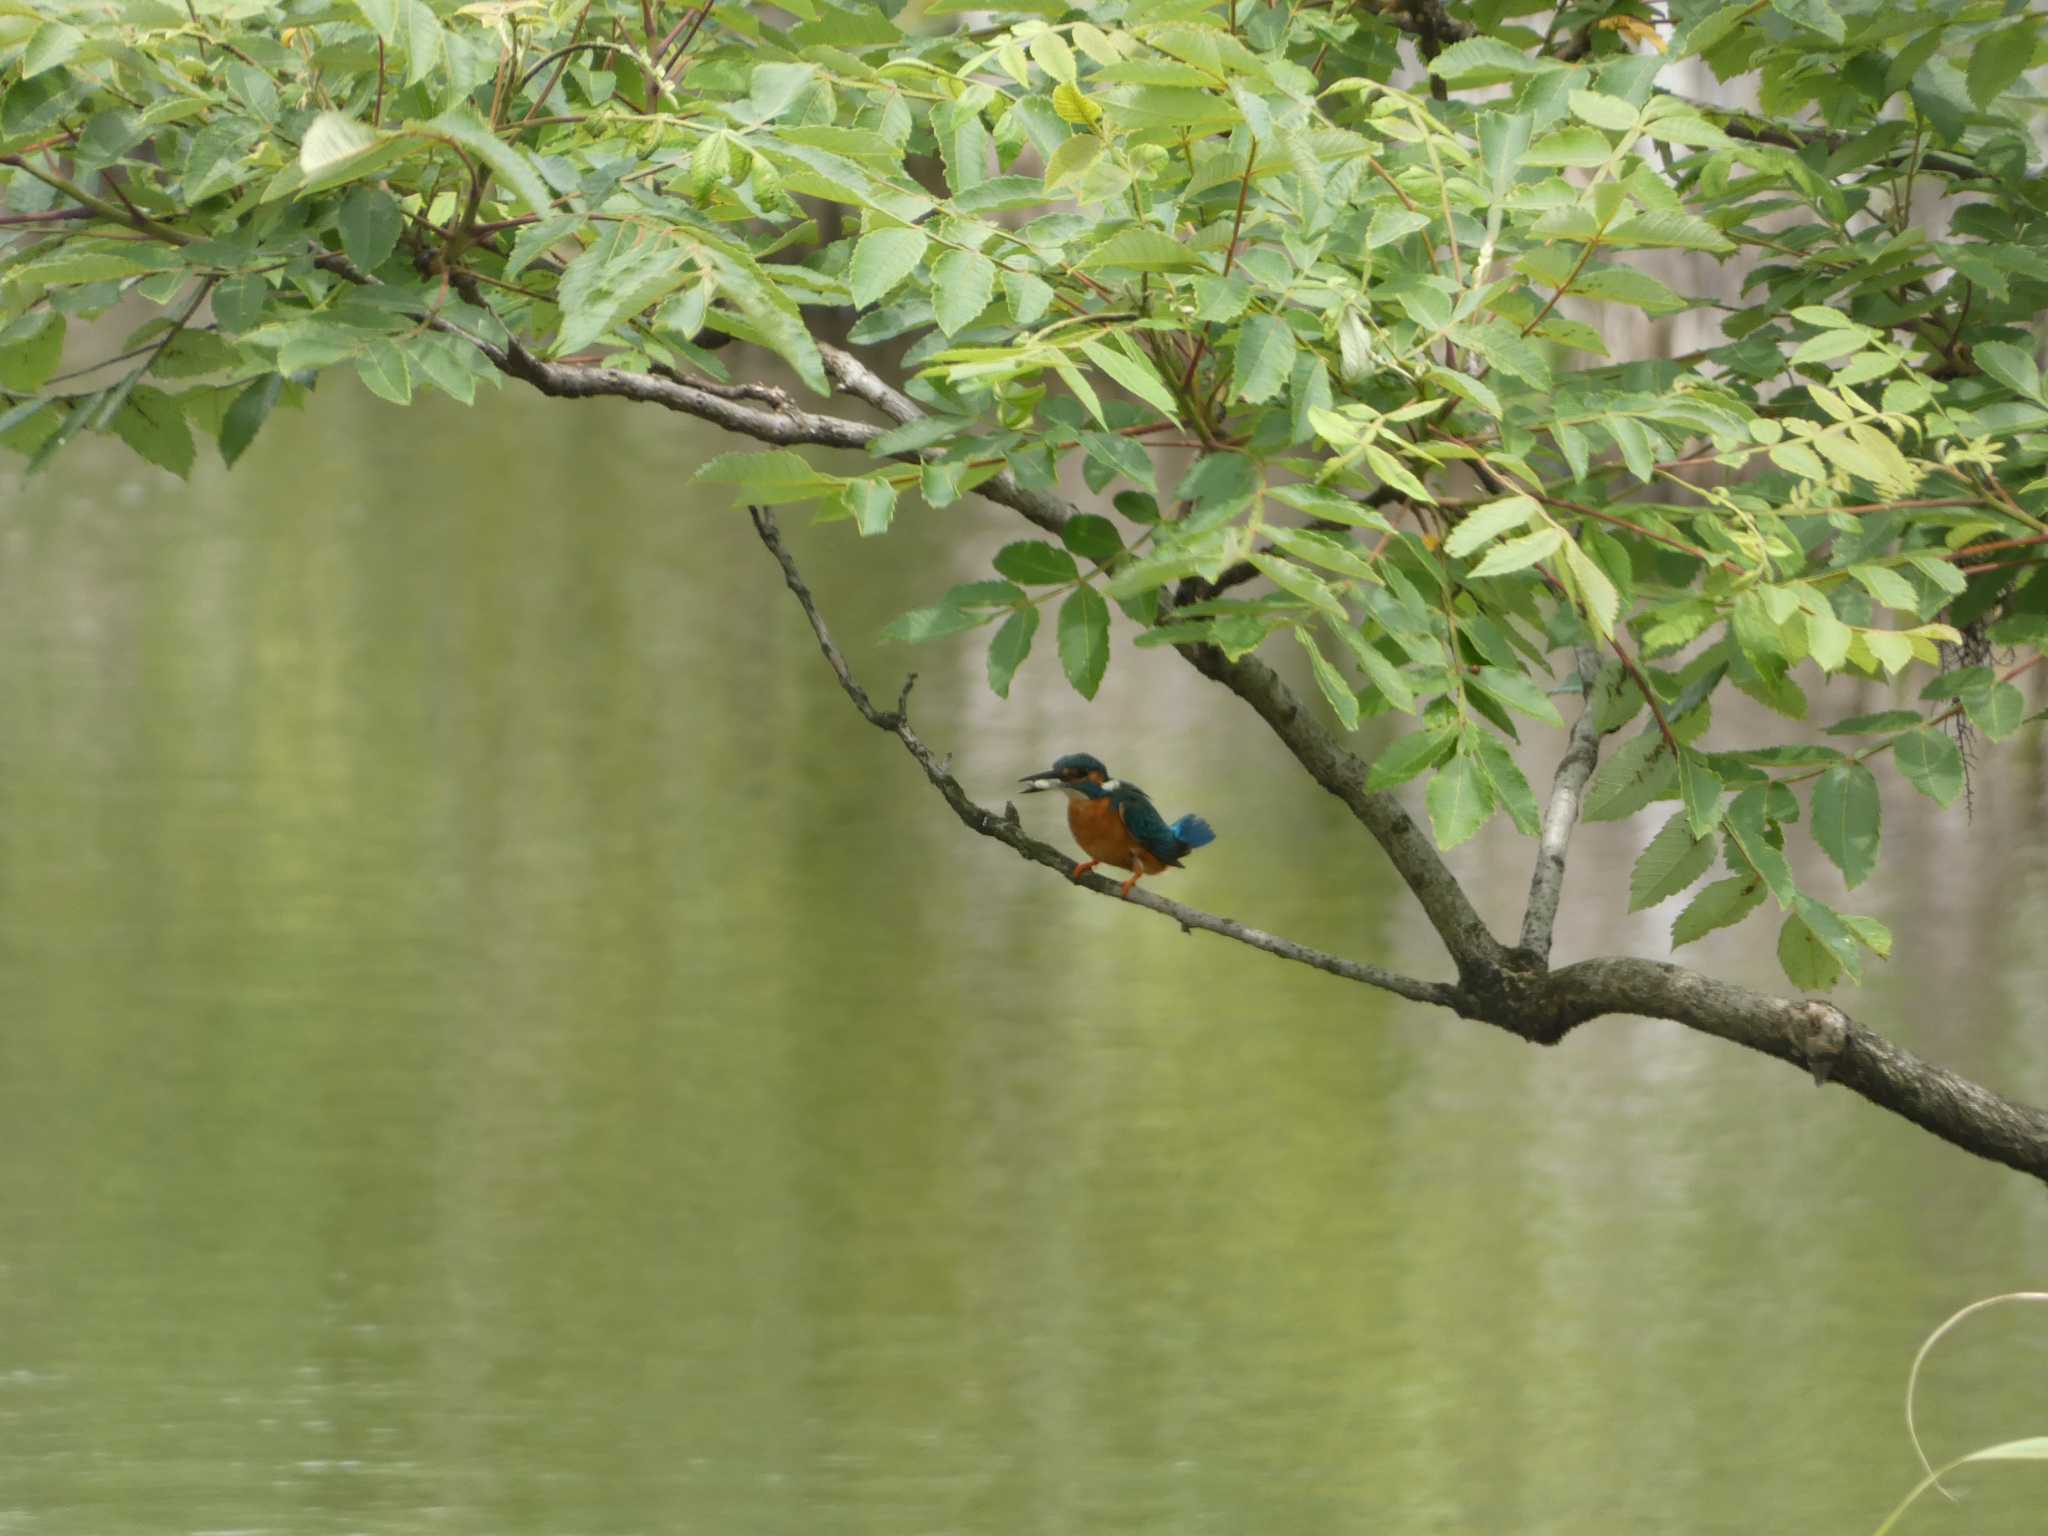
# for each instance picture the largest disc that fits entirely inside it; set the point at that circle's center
(1034, 782)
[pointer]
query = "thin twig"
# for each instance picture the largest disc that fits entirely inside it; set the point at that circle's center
(1006, 830)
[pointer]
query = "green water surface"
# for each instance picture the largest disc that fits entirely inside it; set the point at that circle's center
(490, 1042)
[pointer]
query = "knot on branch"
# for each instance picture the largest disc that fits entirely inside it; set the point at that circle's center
(1523, 997)
(1825, 1035)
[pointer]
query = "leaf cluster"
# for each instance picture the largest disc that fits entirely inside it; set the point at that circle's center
(1317, 297)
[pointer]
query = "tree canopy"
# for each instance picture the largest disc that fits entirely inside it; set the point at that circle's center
(1318, 297)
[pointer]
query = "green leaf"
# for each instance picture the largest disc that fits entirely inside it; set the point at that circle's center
(883, 258)
(1092, 538)
(1674, 859)
(1084, 639)
(382, 368)
(872, 503)
(1931, 764)
(963, 282)
(1460, 801)
(251, 408)
(1998, 711)
(1602, 602)
(151, 423)
(29, 350)
(1506, 780)
(1815, 14)
(1518, 554)
(1138, 377)
(1609, 112)
(1639, 771)
(922, 624)
(1721, 904)
(778, 475)
(332, 140)
(1036, 563)
(1569, 147)
(1997, 61)
(1409, 755)
(2010, 365)
(1343, 701)
(49, 45)
(1487, 522)
(1006, 652)
(1517, 692)
(1883, 720)
(618, 276)
(1071, 161)
(1484, 61)
(370, 222)
(1700, 788)
(1028, 297)
(1265, 355)
(1846, 818)
(1141, 250)
(1806, 958)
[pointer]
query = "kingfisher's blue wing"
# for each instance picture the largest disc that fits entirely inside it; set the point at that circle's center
(1146, 826)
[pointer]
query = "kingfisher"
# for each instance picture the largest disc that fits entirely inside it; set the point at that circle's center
(1116, 822)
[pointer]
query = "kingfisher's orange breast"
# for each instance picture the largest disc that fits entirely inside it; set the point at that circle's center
(1102, 835)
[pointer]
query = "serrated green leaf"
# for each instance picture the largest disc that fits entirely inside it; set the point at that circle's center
(1488, 522)
(1602, 601)
(1006, 652)
(2012, 366)
(152, 423)
(1141, 250)
(1846, 820)
(1409, 755)
(1084, 639)
(1264, 357)
(1460, 801)
(1642, 769)
(872, 504)
(1138, 377)
(370, 221)
(882, 259)
(963, 282)
(1674, 859)
(1518, 554)
(1816, 14)
(1931, 763)
(1720, 905)
(1036, 563)
(1343, 702)
(1504, 776)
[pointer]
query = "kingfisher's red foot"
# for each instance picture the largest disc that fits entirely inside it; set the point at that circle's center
(1125, 892)
(1082, 869)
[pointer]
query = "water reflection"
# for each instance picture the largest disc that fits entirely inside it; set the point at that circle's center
(495, 1044)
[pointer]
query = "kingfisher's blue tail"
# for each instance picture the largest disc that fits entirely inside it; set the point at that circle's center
(1192, 832)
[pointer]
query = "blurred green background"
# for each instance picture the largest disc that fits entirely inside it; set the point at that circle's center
(493, 1043)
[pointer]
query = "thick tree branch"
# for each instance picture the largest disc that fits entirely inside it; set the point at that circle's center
(1006, 829)
(1581, 754)
(1810, 1034)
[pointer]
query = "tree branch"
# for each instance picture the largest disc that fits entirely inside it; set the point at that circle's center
(1814, 1035)
(1006, 829)
(1581, 754)
(1510, 989)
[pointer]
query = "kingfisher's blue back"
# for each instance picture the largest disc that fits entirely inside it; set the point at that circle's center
(1168, 844)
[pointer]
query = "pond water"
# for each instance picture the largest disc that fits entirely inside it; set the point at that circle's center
(493, 1043)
